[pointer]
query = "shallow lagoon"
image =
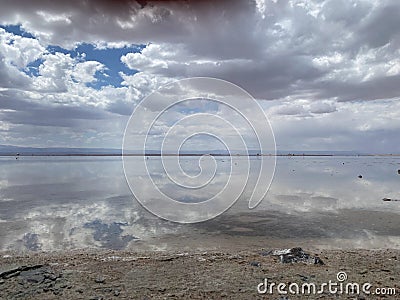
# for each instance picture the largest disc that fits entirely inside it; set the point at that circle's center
(59, 203)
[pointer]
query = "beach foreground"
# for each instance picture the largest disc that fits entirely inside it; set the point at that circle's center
(83, 274)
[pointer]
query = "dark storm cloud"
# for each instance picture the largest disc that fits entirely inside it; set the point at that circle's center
(35, 113)
(385, 87)
(10, 102)
(276, 56)
(69, 22)
(382, 26)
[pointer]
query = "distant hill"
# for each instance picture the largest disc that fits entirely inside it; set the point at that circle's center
(321, 152)
(14, 150)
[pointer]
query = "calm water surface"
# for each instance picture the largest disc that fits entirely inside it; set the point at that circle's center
(57, 203)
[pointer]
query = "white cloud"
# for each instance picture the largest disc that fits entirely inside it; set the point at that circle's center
(313, 60)
(322, 107)
(15, 54)
(54, 73)
(19, 51)
(85, 71)
(152, 57)
(142, 84)
(288, 109)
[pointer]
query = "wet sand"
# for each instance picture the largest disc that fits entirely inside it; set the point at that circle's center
(331, 230)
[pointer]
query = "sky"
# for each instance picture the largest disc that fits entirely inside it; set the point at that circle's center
(326, 73)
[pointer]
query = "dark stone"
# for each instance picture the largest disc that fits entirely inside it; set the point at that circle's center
(255, 264)
(33, 276)
(11, 274)
(50, 285)
(16, 271)
(56, 292)
(303, 277)
(51, 276)
(295, 255)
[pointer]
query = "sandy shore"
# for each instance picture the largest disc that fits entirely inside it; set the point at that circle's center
(84, 274)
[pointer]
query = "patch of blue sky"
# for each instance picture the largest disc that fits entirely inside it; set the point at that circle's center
(32, 69)
(54, 49)
(17, 30)
(102, 79)
(110, 57)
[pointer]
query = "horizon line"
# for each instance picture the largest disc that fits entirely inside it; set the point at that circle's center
(193, 154)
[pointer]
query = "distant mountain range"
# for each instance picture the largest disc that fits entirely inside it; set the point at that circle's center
(16, 150)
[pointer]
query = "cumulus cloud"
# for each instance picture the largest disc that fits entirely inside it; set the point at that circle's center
(311, 60)
(15, 54)
(322, 107)
(85, 71)
(288, 109)
(19, 51)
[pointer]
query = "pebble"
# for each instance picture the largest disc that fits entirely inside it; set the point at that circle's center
(99, 279)
(56, 291)
(51, 276)
(255, 264)
(303, 277)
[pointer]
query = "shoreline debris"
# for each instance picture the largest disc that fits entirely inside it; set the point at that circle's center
(16, 271)
(389, 199)
(294, 255)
